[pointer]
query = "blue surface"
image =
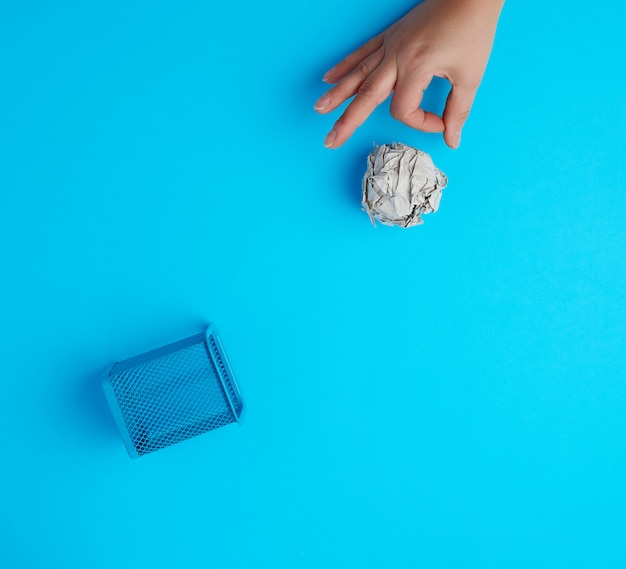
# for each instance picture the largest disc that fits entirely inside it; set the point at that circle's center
(448, 396)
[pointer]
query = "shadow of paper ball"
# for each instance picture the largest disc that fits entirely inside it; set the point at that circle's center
(355, 169)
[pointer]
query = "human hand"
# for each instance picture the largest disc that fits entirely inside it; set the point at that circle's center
(443, 38)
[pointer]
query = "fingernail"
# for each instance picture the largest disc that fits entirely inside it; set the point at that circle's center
(322, 103)
(456, 140)
(328, 75)
(330, 138)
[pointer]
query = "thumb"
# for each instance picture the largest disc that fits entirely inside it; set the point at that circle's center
(455, 114)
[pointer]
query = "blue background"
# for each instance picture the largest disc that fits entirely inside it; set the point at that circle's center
(452, 395)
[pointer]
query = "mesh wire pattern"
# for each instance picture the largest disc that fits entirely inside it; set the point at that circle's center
(173, 393)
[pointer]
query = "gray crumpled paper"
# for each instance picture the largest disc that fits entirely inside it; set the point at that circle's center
(401, 183)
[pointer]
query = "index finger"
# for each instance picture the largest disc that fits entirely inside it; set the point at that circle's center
(349, 63)
(374, 90)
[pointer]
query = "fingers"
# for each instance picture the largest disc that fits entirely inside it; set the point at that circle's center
(349, 85)
(373, 91)
(456, 112)
(349, 63)
(365, 74)
(405, 105)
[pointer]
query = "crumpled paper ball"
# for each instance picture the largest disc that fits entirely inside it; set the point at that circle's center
(401, 183)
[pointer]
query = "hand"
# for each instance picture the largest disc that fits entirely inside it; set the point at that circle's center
(444, 38)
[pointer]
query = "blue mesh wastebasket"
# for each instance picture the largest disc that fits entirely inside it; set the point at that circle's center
(173, 393)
